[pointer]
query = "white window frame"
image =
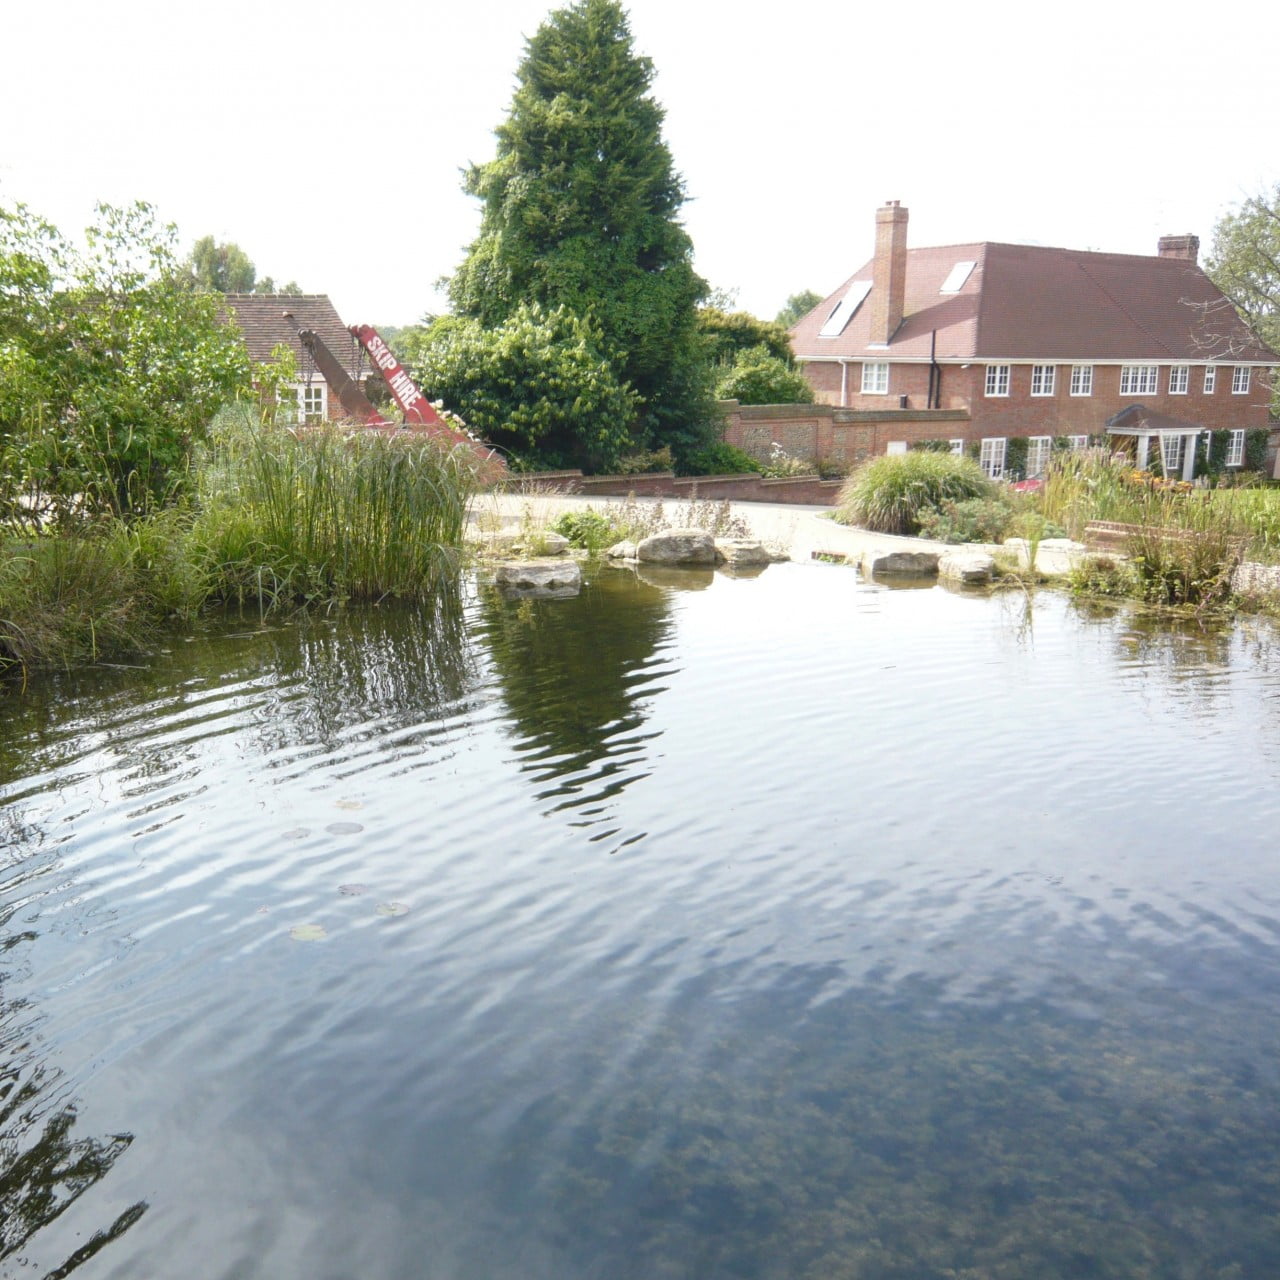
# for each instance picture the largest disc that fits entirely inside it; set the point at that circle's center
(957, 448)
(896, 447)
(1179, 379)
(991, 454)
(313, 401)
(1076, 443)
(1044, 379)
(997, 383)
(1039, 451)
(875, 378)
(1240, 380)
(1235, 450)
(1082, 379)
(1210, 378)
(1171, 454)
(1139, 379)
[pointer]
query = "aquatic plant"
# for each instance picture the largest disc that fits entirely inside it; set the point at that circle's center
(890, 494)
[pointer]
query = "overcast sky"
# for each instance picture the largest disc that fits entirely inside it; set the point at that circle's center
(327, 139)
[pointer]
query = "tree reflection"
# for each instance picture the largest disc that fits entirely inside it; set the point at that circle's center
(574, 676)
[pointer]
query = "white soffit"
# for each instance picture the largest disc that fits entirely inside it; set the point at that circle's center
(959, 274)
(844, 309)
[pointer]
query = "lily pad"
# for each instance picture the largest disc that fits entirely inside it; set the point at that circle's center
(393, 909)
(295, 834)
(352, 890)
(343, 828)
(308, 932)
(348, 804)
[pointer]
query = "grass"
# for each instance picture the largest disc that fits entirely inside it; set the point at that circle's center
(277, 520)
(891, 493)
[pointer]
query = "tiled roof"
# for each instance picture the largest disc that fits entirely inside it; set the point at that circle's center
(1025, 302)
(264, 326)
(1137, 419)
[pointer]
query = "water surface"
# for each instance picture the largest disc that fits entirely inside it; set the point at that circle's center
(697, 927)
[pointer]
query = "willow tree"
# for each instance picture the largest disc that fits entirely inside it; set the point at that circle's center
(581, 210)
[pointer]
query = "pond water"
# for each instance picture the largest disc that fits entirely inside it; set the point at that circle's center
(787, 927)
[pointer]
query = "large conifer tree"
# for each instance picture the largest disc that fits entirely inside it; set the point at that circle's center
(581, 208)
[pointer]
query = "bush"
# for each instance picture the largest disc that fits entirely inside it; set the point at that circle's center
(973, 520)
(718, 459)
(890, 493)
(646, 461)
(756, 377)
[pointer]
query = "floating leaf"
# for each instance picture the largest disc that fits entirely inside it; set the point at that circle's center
(296, 834)
(307, 932)
(352, 890)
(343, 828)
(393, 909)
(348, 804)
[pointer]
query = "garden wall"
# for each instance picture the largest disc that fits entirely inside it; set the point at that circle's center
(809, 490)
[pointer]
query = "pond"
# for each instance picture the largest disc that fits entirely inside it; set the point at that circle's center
(782, 927)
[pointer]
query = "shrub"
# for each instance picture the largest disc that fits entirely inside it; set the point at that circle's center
(781, 464)
(890, 493)
(646, 461)
(718, 459)
(588, 529)
(756, 377)
(973, 520)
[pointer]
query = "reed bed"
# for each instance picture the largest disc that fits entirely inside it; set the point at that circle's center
(891, 493)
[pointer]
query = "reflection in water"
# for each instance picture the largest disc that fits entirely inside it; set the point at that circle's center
(44, 1169)
(575, 676)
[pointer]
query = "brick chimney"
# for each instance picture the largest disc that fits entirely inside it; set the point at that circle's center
(889, 275)
(1185, 247)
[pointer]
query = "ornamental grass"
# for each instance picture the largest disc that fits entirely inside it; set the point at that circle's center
(890, 494)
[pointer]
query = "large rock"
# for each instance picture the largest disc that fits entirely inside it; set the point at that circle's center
(915, 564)
(974, 567)
(677, 546)
(525, 574)
(624, 550)
(741, 552)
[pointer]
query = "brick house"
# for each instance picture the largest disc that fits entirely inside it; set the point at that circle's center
(268, 320)
(981, 343)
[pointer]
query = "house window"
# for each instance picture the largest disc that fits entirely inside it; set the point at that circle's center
(1038, 450)
(1210, 378)
(1240, 380)
(997, 379)
(1179, 375)
(1077, 442)
(875, 379)
(991, 455)
(1043, 379)
(311, 402)
(1171, 454)
(1082, 379)
(1139, 379)
(957, 448)
(1235, 449)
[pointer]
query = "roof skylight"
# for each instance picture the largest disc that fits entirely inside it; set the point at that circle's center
(959, 274)
(843, 311)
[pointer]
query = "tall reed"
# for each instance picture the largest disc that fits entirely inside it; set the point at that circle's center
(890, 493)
(331, 514)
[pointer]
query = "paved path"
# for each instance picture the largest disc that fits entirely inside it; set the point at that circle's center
(801, 531)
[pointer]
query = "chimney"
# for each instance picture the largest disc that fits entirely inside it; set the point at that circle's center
(1185, 247)
(889, 275)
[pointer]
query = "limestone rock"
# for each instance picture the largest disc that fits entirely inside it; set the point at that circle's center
(560, 573)
(975, 567)
(740, 552)
(677, 546)
(624, 550)
(918, 564)
(553, 544)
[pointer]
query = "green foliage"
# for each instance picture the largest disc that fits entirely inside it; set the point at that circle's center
(798, 306)
(226, 268)
(931, 446)
(537, 385)
(729, 333)
(781, 464)
(645, 461)
(972, 520)
(719, 459)
(588, 529)
(890, 493)
(110, 366)
(1245, 263)
(317, 514)
(1015, 457)
(756, 377)
(581, 209)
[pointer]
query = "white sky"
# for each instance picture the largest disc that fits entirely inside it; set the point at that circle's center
(327, 139)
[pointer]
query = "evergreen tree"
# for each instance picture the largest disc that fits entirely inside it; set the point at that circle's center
(581, 208)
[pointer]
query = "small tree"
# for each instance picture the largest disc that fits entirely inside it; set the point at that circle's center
(538, 385)
(798, 306)
(729, 332)
(758, 377)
